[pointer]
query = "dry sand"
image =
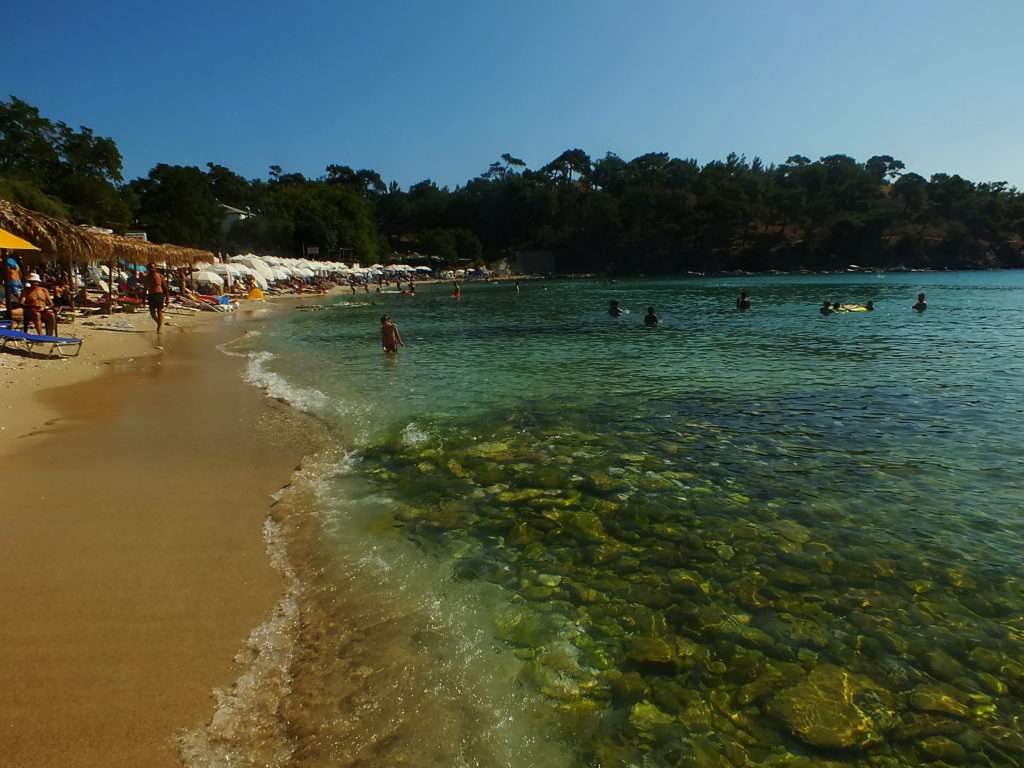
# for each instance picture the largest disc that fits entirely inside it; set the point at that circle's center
(131, 556)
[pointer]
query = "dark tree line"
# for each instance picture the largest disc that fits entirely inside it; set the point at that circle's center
(652, 214)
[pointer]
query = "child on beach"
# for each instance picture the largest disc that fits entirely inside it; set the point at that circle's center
(390, 338)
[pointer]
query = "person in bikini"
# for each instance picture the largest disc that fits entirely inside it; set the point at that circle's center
(38, 306)
(390, 337)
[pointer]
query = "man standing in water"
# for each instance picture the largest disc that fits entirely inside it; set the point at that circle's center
(921, 305)
(650, 319)
(390, 338)
(614, 309)
(157, 297)
(743, 303)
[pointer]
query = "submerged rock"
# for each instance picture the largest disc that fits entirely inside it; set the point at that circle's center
(938, 697)
(944, 666)
(651, 650)
(644, 717)
(941, 748)
(828, 709)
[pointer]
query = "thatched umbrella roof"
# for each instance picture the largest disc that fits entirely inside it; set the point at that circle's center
(59, 239)
(53, 236)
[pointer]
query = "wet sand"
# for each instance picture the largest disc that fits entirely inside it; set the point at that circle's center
(131, 558)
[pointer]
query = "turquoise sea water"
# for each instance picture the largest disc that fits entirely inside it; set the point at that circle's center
(545, 536)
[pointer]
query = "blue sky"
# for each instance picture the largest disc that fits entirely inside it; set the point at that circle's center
(440, 89)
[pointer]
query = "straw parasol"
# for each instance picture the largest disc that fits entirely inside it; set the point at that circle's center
(51, 235)
(59, 238)
(55, 239)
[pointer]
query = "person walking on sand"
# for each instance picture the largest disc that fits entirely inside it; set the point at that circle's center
(390, 337)
(157, 295)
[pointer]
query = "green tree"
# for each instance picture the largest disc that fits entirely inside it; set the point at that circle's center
(176, 205)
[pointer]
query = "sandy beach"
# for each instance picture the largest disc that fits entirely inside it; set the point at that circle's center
(137, 481)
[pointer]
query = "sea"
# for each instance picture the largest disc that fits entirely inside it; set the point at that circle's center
(543, 536)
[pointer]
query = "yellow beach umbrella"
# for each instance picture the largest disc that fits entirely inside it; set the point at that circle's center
(15, 243)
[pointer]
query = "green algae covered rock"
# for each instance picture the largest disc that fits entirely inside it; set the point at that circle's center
(651, 650)
(490, 450)
(941, 698)
(916, 725)
(627, 687)
(645, 718)
(935, 748)
(944, 666)
(522, 627)
(832, 707)
(768, 681)
(585, 526)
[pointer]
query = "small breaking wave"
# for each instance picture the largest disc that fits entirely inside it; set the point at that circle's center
(258, 373)
(226, 347)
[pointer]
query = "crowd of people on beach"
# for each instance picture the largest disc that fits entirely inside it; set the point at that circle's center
(37, 300)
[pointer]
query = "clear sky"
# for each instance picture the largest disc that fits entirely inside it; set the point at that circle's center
(440, 89)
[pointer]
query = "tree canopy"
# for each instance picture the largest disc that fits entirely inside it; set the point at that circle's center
(652, 214)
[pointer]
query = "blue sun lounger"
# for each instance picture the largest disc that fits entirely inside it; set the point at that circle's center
(57, 344)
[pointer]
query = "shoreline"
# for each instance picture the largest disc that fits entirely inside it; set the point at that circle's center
(139, 482)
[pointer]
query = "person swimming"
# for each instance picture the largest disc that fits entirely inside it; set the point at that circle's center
(921, 304)
(870, 306)
(743, 303)
(614, 309)
(826, 308)
(650, 319)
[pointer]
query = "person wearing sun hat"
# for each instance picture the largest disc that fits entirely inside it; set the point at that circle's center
(38, 306)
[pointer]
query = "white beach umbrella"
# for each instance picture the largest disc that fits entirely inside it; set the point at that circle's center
(208, 278)
(260, 268)
(281, 274)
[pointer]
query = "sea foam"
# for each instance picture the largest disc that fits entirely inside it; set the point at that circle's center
(259, 374)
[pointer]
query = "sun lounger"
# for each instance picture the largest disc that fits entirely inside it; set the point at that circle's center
(57, 344)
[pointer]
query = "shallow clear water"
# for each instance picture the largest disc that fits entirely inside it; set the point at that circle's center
(551, 537)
